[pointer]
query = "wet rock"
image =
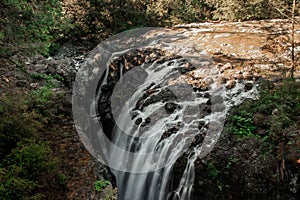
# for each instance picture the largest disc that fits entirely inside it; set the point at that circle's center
(170, 107)
(238, 75)
(248, 86)
(218, 107)
(208, 81)
(206, 95)
(204, 110)
(198, 139)
(201, 124)
(138, 121)
(163, 96)
(146, 122)
(171, 129)
(217, 99)
(105, 88)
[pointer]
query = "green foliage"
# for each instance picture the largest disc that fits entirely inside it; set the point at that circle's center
(23, 157)
(13, 187)
(281, 104)
(42, 97)
(107, 192)
(22, 167)
(114, 16)
(242, 124)
(285, 98)
(231, 162)
(32, 157)
(234, 10)
(30, 26)
(179, 11)
(101, 184)
(212, 170)
(16, 122)
(39, 26)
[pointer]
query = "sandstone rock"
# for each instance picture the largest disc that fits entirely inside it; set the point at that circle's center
(247, 75)
(230, 84)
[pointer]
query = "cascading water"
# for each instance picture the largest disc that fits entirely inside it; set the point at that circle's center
(152, 107)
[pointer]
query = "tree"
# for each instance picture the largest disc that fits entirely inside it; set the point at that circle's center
(30, 26)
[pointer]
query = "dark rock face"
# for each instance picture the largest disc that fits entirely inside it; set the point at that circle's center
(242, 169)
(170, 107)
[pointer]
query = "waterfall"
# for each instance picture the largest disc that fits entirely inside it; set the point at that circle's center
(145, 107)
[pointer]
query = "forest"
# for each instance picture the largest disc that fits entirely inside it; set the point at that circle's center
(41, 26)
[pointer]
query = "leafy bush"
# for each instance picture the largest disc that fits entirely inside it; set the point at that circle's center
(179, 11)
(31, 26)
(16, 122)
(281, 104)
(32, 157)
(242, 124)
(42, 99)
(107, 192)
(234, 10)
(101, 184)
(22, 167)
(13, 187)
(23, 157)
(112, 16)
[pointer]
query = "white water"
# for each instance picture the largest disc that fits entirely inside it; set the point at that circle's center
(151, 159)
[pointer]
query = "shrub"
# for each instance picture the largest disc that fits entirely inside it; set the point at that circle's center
(24, 158)
(30, 26)
(32, 157)
(22, 167)
(101, 184)
(280, 104)
(16, 122)
(43, 99)
(179, 11)
(234, 10)
(242, 124)
(13, 187)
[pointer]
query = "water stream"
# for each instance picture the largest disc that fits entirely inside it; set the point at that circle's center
(158, 113)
